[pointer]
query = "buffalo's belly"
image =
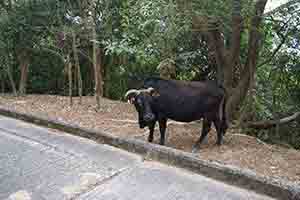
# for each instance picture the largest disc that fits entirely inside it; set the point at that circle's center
(182, 115)
(184, 118)
(188, 111)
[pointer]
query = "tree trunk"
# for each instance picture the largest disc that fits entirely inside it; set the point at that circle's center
(240, 92)
(24, 64)
(227, 58)
(77, 65)
(68, 62)
(235, 45)
(88, 12)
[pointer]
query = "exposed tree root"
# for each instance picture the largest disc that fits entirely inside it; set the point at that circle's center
(272, 123)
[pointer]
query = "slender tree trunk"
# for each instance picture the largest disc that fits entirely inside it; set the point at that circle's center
(97, 69)
(80, 84)
(90, 26)
(101, 71)
(75, 80)
(107, 72)
(2, 83)
(69, 63)
(11, 80)
(12, 83)
(77, 65)
(24, 64)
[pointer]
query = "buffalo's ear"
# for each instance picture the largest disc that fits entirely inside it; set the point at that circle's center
(131, 100)
(131, 95)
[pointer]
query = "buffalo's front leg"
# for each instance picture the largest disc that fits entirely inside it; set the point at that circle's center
(162, 129)
(206, 125)
(151, 131)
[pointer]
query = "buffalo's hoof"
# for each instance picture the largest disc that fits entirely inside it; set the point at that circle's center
(195, 149)
(219, 144)
(150, 140)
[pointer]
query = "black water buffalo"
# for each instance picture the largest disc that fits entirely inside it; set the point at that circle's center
(182, 101)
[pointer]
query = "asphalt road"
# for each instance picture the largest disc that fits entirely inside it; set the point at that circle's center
(39, 163)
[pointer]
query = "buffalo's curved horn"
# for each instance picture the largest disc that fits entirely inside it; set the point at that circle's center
(131, 92)
(153, 92)
(135, 92)
(148, 90)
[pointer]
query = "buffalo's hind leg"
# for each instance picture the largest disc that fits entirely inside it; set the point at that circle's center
(151, 131)
(206, 125)
(219, 128)
(162, 129)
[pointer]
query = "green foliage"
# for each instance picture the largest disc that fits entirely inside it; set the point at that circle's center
(45, 74)
(277, 82)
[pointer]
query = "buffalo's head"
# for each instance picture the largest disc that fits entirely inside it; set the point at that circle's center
(142, 100)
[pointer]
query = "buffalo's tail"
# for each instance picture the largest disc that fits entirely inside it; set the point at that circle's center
(222, 112)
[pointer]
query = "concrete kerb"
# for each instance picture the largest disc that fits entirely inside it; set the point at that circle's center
(247, 179)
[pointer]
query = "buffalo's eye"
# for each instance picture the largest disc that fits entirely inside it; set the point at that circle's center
(139, 102)
(139, 105)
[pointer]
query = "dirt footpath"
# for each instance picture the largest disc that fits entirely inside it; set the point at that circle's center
(120, 119)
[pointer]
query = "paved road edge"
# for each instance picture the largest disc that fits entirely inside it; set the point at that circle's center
(247, 179)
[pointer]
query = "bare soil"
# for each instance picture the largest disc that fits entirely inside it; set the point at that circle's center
(120, 119)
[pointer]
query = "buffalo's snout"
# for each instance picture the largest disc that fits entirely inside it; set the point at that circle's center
(149, 117)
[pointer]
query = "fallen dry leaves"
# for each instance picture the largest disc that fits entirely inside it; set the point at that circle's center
(119, 119)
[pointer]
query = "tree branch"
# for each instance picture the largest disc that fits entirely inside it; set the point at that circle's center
(281, 7)
(283, 40)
